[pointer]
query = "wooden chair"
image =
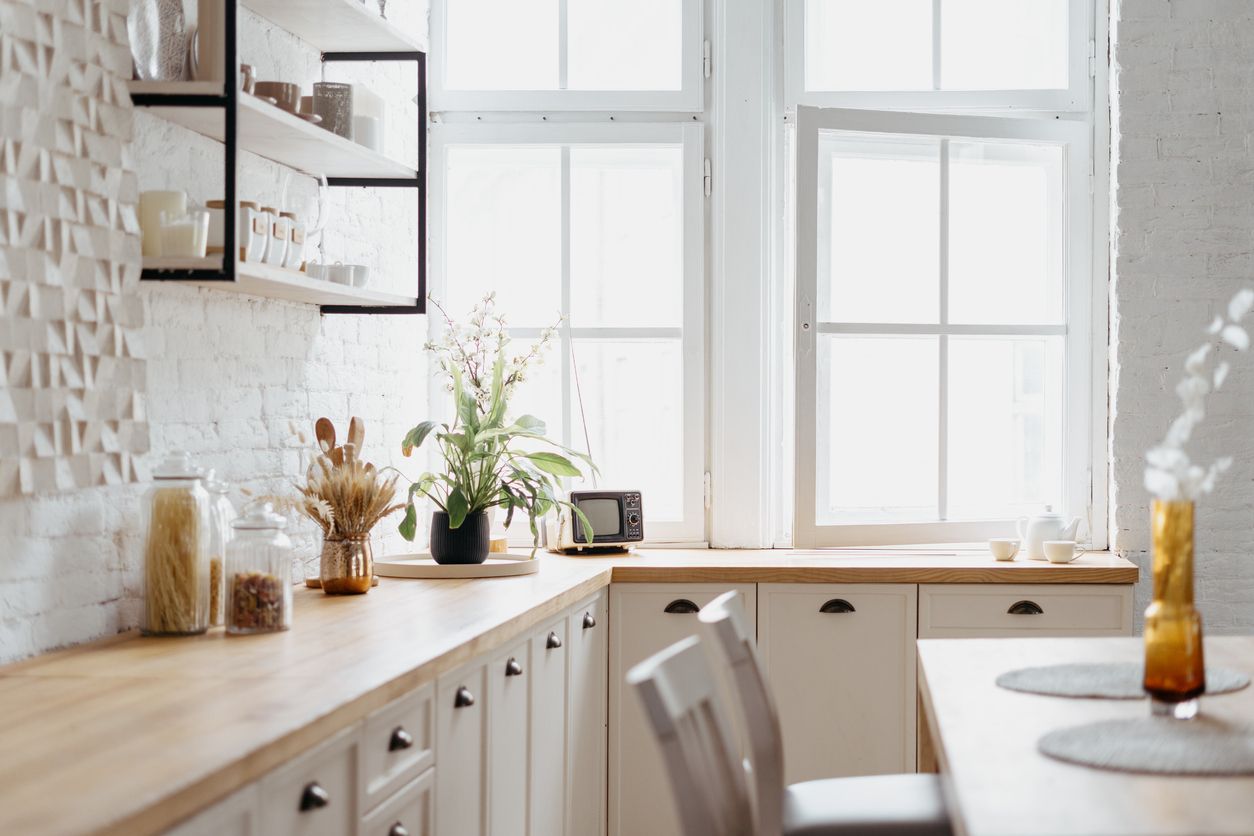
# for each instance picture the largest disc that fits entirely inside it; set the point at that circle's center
(706, 774)
(875, 805)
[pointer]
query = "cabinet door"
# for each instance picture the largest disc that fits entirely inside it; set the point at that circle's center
(549, 654)
(841, 663)
(588, 628)
(315, 794)
(645, 618)
(460, 735)
(508, 733)
(236, 815)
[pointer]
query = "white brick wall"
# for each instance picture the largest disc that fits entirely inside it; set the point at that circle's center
(1184, 169)
(227, 373)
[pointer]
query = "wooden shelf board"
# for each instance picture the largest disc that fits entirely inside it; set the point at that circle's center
(185, 88)
(277, 283)
(277, 135)
(336, 25)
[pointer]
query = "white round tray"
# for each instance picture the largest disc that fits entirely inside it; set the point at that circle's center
(424, 566)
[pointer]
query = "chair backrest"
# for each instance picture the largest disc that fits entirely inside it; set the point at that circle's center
(724, 623)
(706, 774)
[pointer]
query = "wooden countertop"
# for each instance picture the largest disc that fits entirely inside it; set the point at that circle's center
(996, 781)
(129, 735)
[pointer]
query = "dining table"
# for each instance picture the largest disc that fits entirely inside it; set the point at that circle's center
(983, 740)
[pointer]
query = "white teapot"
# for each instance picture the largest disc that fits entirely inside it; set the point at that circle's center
(1035, 531)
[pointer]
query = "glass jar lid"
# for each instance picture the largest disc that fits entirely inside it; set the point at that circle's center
(215, 485)
(178, 465)
(260, 517)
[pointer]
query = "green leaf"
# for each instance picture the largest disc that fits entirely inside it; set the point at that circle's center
(457, 508)
(409, 525)
(554, 463)
(496, 412)
(531, 424)
(416, 436)
(584, 522)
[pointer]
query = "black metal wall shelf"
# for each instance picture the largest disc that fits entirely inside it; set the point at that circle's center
(243, 122)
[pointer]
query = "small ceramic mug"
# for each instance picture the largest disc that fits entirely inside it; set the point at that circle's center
(340, 273)
(1003, 549)
(1061, 551)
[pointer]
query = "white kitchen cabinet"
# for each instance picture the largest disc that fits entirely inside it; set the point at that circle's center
(588, 628)
(460, 737)
(549, 656)
(508, 739)
(315, 794)
(840, 660)
(398, 745)
(955, 611)
(645, 618)
(409, 812)
(236, 815)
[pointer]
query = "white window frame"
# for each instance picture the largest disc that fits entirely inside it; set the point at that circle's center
(1079, 358)
(689, 98)
(1077, 97)
(690, 135)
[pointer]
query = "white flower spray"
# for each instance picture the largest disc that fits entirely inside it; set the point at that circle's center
(1171, 475)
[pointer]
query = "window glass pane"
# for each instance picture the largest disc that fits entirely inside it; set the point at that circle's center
(503, 231)
(501, 44)
(626, 236)
(1005, 232)
(1003, 44)
(868, 45)
(624, 44)
(633, 396)
(877, 429)
(1005, 426)
(879, 229)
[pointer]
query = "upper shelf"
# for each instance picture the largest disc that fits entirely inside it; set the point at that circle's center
(275, 134)
(336, 25)
(269, 282)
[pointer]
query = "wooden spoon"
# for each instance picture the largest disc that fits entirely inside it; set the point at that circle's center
(325, 432)
(356, 432)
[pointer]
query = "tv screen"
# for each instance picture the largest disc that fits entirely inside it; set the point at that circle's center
(604, 516)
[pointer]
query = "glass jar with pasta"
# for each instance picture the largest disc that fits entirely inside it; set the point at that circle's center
(176, 550)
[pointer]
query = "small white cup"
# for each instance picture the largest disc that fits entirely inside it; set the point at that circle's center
(340, 273)
(1061, 551)
(1003, 549)
(361, 274)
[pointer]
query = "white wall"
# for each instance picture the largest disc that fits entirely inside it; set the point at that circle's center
(1183, 244)
(227, 374)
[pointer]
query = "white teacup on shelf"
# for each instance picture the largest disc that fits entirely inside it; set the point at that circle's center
(361, 274)
(340, 273)
(1061, 551)
(152, 205)
(1003, 549)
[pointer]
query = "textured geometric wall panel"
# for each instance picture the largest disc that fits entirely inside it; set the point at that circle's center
(71, 365)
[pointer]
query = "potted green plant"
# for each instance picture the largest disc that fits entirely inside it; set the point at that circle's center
(487, 460)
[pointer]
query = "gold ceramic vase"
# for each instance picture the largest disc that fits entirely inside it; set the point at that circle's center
(347, 566)
(1175, 671)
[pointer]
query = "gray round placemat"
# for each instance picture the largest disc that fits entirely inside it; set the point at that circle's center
(1106, 680)
(1201, 746)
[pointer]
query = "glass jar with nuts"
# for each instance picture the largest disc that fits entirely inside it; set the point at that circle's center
(259, 574)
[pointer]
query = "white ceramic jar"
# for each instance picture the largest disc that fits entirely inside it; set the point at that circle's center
(296, 241)
(250, 238)
(276, 237)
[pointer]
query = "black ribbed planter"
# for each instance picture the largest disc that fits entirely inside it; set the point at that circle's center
(468, 543)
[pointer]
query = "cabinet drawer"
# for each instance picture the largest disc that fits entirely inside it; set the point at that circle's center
(235, 815)
(314, 794)
(398, 745)
(410, 812)
(995, 610)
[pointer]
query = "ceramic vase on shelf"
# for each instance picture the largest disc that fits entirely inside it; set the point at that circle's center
(1175, 671)
(347, 566)
(468, 543)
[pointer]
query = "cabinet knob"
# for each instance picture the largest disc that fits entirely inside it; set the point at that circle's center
(553, 642)
(681, 606)
(1025, 608)
(837, 605)
(314, 797)
(398, 829)
(464, 698)
(512, 668)
(401, 740)
(588, 621)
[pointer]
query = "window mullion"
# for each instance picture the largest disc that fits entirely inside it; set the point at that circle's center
(567, 347)
(562, 50)
(936, 44)
(942, 447)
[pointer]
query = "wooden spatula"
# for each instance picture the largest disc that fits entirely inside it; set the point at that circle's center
(356, 433)
(324, 430)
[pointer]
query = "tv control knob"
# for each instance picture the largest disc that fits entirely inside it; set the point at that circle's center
(633, 519)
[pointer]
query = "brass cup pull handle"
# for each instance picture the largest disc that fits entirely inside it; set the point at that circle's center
(314, 797)
(464, 698)
(681, 606)
(1025, 608)
(553, 642)
(588, 621)
(837, 605)
(512, 668)
(398, 829)
(401, 740)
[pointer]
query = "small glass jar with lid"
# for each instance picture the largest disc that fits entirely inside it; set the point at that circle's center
(221, 515)
(259, 573)
(176, 550)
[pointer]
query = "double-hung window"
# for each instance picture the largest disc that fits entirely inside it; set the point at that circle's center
(946, 305)
(567, 177)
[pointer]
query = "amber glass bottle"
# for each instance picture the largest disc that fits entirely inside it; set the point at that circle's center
(1175, 672)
